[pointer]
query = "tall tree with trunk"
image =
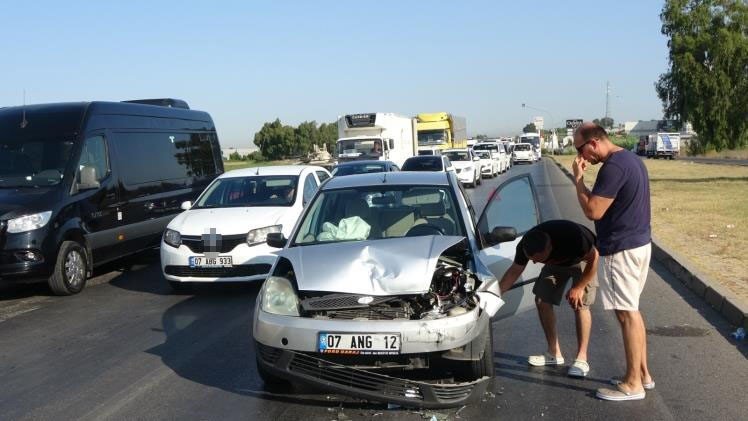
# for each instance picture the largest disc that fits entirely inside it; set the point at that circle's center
(707, 79)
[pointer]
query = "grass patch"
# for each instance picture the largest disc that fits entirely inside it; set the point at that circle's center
(699, 211)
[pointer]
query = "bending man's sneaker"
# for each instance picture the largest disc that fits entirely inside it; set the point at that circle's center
(545, 359)
(579, 368)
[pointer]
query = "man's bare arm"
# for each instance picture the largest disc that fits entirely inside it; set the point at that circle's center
(510, 277)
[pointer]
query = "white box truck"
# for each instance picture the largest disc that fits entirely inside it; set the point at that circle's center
(663, 145)
(378, 136)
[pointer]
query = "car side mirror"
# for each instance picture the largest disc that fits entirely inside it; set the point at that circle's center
(276, 239)
(88, 179)
(501, 235)
(475, 158)
(186, 205)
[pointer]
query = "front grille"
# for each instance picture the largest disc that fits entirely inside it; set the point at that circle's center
(451, 392)
(353, 378)
(339, 301)
(371, 313)
(234, 271)
(228, 242)
(267, 353)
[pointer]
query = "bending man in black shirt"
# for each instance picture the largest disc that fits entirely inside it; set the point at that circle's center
(561, 246)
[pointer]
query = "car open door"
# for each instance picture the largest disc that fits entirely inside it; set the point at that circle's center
(512, 205)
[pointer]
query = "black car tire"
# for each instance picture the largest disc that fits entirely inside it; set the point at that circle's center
(474, 370)
(71, 269)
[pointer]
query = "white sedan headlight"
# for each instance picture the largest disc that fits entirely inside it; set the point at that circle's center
(29, 222)
(278, 297)
(259, 235)
(172, 238)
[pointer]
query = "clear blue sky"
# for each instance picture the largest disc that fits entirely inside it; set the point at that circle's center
(296, 60)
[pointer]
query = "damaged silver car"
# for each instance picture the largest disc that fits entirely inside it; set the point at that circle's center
(387, 287)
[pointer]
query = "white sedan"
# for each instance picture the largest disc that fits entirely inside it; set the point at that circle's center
(221, 237)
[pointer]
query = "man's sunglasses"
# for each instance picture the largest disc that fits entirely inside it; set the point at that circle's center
(580, 147)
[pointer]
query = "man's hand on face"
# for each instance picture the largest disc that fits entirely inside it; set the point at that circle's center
(579, 166)
(575, 296)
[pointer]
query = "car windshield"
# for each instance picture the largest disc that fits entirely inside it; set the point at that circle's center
(522, 147)
(271, 190)
(33, 162)
(423, 163)
(360, 147)
(431, 137)
(350, 169)
(457, 155)
(486, 147)
(483, 154)
(378, 212)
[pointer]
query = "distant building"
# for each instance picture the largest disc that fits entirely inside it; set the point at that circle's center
(226, 152)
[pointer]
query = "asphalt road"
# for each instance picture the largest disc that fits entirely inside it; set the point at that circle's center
(127, 348)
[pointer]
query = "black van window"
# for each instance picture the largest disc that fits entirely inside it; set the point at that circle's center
(94, 155)
(149, 157)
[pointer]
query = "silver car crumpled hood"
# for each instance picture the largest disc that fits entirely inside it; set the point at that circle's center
(374, 267)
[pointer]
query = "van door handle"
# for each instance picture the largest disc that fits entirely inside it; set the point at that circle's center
(150, 205)
(110, 196)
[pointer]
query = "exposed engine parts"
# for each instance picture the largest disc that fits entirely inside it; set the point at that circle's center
(450, 294)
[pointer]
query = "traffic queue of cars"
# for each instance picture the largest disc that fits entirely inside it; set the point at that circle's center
(390, 267)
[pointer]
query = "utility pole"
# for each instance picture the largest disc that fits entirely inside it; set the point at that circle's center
(607, 100)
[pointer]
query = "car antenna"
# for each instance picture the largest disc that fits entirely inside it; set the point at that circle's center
(384, 177)
(258, 171)
(24, 123)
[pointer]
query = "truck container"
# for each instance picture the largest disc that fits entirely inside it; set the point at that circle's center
(663, 145)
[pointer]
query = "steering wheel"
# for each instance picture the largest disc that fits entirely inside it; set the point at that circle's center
(424, 229)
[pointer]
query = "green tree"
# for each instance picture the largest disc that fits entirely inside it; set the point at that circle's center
(481, 136)
(707, 80)
(606, 122)
(530, 128)
(275, 140)
(234, 156)
(328, 136)
(307, 134)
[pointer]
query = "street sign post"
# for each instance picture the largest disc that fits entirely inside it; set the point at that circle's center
(572, 125)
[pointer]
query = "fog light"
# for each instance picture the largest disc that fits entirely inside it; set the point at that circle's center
(30, 256)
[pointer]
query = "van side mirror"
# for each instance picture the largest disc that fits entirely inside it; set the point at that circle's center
(276, 239)
(500, 235)
(391, 143)
(88, 179)
(186, 205)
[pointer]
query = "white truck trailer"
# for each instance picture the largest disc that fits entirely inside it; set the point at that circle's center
(663, 145)
(379, 136)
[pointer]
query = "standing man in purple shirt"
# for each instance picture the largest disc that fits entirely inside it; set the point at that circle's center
(619, 205)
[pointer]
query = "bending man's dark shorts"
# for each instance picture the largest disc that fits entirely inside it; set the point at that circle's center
(552, 281)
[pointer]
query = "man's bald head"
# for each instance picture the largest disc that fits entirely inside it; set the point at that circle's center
(589, 131)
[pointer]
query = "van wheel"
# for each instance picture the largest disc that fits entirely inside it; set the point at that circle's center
(71, 269)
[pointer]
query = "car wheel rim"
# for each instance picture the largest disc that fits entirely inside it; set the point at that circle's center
(74, 270)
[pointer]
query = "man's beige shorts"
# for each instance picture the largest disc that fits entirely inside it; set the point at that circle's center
(622, 276)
